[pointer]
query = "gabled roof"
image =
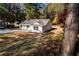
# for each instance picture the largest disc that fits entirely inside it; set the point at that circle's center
(42, 22)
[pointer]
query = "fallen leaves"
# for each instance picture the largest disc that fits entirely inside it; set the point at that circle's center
(30, 44)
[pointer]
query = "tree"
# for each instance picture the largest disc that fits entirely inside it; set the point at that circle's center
(33, 10)
(12, 13)
(29, 10)
(19, 11)
(39, 10)
(70, 31)
(3, 12)
(53, 8)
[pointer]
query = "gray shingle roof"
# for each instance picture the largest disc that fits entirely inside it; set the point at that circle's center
(42, 22)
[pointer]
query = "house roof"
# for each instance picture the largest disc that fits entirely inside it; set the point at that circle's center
(42, 22)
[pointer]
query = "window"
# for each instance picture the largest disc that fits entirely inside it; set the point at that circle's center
(21, 25)
(27, 26)
(35, 27)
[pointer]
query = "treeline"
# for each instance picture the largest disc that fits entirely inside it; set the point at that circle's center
(11, 13)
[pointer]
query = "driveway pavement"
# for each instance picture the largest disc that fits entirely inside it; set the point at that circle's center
(3, 31)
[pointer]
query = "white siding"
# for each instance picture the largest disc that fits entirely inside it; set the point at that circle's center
(39, 29)
(23, 27)
(31, 28)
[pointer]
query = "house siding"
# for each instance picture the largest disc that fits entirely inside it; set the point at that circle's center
(31, 28)
(39, 29)
(47, 27)
(23, 27)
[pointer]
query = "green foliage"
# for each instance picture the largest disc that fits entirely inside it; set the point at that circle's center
(59, 36)
(32, 12)
(55, 20)
(29, 10)
(52, 9)
(4, 37)
(3, 11)
(11, 14)
(3, 8)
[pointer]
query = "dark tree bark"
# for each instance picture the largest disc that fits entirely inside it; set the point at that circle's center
(70, 30)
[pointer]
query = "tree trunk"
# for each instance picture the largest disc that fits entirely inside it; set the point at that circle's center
(70, 30)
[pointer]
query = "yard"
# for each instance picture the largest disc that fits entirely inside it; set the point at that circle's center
(24, 43)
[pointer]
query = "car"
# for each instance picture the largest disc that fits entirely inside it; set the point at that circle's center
(2, 26)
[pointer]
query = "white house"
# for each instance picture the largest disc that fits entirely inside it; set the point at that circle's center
(36, 25)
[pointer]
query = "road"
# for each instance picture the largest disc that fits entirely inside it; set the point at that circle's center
(3, 31)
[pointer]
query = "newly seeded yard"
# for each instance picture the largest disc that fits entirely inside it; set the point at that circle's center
(22, 43)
